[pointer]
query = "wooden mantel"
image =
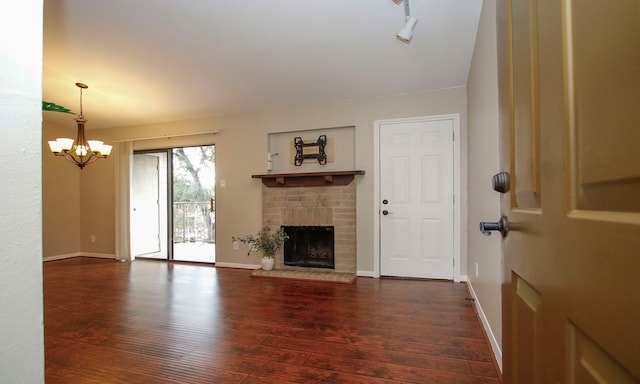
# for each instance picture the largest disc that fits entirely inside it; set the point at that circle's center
(311, 179)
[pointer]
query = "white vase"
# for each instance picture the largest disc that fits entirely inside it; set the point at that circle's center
(267, 263)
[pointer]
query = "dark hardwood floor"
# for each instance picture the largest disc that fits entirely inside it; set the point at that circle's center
(158, 322)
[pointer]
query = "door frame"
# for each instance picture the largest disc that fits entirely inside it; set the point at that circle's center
(457, 217)
(165, 215)
(159, 198)
(166, 171)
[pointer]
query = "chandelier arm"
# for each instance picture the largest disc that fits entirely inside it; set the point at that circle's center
(88, 161)
(80, 161)
(72, 159)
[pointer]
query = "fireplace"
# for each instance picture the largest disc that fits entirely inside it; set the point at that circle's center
(314, 200)
(309, 246)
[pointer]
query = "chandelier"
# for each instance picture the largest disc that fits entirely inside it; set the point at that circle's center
(82, 151)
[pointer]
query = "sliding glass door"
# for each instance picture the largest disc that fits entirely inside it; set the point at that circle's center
(148, 205)
(194, 203)
(173, 204)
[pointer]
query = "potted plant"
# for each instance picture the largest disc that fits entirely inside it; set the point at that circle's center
(267, 242)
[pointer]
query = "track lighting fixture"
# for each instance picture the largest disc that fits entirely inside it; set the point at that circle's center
(406, 33)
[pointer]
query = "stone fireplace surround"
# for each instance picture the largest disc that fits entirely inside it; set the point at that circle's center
(314, 199)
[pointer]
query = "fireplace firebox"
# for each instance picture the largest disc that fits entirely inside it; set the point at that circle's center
(309, 246)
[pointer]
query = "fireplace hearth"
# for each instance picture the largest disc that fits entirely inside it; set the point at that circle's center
(309, 246)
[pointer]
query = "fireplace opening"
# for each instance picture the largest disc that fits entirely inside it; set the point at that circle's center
(309, 246)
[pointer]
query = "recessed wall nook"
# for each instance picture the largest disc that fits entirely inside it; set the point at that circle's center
(310, 183)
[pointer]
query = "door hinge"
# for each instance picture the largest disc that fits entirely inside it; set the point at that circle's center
(454, 199)
(453, 136)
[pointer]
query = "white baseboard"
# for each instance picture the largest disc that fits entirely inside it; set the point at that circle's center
(237, 265)
(495, 347)
(78, 254)
(100, 255)
(61, 257)
(463, 278)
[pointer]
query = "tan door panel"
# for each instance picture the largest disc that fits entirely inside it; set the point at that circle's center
(569, 74)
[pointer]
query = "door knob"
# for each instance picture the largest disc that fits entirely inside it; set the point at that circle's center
(501, 226)
(500, 182)
(385, 212)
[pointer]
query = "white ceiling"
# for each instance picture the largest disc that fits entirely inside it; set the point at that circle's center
(148, 61)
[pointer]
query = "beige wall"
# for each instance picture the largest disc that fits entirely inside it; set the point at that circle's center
(241, 147)
(76, 203)
(484, 203)
(60, 196)
(97, 202)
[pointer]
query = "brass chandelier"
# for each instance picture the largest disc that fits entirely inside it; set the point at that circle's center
(82, 151)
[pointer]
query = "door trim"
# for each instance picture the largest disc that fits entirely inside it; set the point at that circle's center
(457, 218)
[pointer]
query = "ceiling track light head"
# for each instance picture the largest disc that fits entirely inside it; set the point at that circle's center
(406, 33)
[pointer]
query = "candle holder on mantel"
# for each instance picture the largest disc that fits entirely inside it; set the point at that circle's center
(270, 160)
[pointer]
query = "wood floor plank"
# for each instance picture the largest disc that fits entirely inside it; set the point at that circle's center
(276, 370)
(104, 363)
(386, 370)
(263, 380)
(159, 322)
(354, 352)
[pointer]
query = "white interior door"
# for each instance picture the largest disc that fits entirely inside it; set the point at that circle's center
(145, 216)
(416, 199)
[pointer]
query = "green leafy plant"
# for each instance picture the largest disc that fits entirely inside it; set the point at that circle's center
(266, 241)
(53, 107)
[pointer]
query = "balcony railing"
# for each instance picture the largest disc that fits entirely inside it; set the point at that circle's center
(193, 222)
